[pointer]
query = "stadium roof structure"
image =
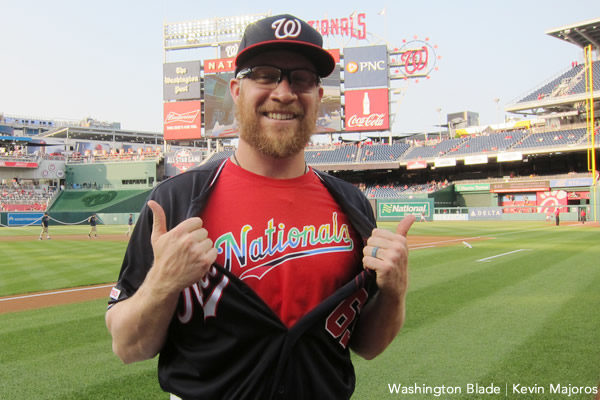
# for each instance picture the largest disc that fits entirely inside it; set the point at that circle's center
(581, 34)
(555, 98)
(104, 134)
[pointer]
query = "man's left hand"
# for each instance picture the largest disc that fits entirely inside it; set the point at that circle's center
(386, 253)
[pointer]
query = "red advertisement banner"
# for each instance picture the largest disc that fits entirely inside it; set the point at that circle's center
(367, 110)
(18, 164)
(182, 120)
(418, 164)
(219, 65)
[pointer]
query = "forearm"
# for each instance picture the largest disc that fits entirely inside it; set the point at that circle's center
(139, 324)
(379, 323)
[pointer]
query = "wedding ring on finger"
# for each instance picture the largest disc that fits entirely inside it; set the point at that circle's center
(374, 251)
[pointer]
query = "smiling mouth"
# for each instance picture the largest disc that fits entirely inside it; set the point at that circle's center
(280, 116)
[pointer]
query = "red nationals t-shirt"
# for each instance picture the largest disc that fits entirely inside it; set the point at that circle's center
(285, 238)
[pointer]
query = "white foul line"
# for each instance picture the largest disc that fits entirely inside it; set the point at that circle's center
(500, 255)
(437, 243)
(56, 292)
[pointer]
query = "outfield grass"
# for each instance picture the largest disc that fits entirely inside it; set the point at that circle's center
(519, 308)
(37, 265)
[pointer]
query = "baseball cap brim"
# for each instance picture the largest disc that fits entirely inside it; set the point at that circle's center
(322, 59)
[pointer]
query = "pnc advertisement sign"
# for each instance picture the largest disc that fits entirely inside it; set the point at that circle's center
(367, 110)
(181, 80)
(366, 67)
(182, 120)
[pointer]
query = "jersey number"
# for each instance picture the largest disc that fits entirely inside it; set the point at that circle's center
(341, 319)
(207, 295)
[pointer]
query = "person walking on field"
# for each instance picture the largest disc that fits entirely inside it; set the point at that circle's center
(129, 225)
(44, 223)
(557, 216)
(225, 275)
(93, 221)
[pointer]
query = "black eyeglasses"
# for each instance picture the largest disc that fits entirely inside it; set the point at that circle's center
(267, 76)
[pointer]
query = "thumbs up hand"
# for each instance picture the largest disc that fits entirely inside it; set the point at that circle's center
(386, 253)
(183, 255)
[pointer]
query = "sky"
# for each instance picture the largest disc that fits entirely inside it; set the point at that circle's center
(73, 59)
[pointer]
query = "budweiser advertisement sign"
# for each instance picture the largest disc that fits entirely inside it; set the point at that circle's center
(367, 110)
(182, 120)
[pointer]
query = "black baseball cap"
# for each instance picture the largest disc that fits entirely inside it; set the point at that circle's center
(285, 32)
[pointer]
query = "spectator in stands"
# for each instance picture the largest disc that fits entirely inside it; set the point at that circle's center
(92, 220)
(221, 331)
(44, 223)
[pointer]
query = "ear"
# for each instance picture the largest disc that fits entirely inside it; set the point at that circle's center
(234, 89)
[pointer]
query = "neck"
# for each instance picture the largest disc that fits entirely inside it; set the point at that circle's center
(252, 160)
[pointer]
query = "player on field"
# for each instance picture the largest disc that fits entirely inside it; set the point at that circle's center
(44, 223)
(254, 276)
(129, 225)
(93, 221)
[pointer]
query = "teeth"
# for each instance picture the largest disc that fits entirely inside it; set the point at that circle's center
(280, 116)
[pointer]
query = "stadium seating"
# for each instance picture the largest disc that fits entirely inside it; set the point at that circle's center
(341, 154)
(24, 197)
(553, 139)
(436, 150)
(382, 152)
(490, 143)
(567, 83)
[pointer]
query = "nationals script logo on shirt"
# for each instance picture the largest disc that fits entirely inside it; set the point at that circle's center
(280, 244)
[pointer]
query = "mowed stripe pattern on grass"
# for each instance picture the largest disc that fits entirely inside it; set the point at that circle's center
(38, 265)
(528, 317)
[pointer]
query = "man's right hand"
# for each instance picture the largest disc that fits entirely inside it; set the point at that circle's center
(183, 255)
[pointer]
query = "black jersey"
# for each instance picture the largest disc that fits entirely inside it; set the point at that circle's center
(224, 342)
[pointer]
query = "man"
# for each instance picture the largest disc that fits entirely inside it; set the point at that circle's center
(93, 222)
(261, 266)
(129, 225)
(44, 222)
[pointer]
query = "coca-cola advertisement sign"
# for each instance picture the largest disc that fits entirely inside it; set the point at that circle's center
(182, 120)
(367, 110)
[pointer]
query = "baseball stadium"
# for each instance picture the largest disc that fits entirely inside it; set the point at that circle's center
(504, 274)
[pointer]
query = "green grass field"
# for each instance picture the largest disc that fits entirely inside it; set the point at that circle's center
(518, 310)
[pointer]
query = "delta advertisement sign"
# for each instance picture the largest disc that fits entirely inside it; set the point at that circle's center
(182, 120)
(367, 110)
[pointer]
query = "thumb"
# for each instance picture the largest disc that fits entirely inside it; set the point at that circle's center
(405, 224)
(159, 221)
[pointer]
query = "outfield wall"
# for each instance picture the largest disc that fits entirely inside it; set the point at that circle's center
(395, 210)
(113, 175)
(15, 219)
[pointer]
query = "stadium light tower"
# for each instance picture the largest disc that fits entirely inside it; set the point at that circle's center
(210, 32)
(497, 101)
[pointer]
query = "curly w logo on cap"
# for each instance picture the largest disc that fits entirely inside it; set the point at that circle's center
(284, 32)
